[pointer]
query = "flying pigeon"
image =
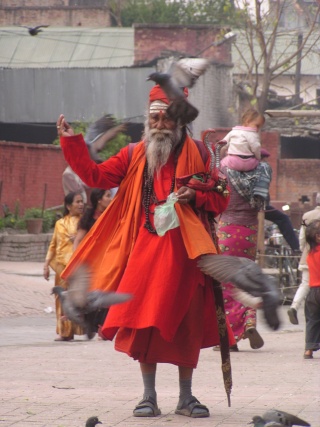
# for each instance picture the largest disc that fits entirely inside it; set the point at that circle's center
(92, 421)
(33, 31)
(277, 418)
(99, 133)
(246, 275)
(79, 305)
(181, 74)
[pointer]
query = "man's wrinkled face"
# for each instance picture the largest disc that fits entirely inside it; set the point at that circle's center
(162, 135)
(161, 121)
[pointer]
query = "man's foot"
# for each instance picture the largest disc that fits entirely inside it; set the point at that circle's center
(308, 354)
(292, 313)
(254, 337)
(191, 407)
(147, 407)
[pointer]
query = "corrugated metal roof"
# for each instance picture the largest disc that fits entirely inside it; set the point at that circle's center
(286, 45)
(67, 47)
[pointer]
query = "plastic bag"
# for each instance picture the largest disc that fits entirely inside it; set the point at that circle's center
(165, 216)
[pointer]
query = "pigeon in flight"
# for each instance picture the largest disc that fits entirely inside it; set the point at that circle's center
(275, 418)
(33, 31)
(100, 132)
(181, 74)
(92, 421)
(79, 305)
(246, 275)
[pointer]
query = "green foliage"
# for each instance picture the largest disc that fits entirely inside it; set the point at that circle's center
(7, 222)
(114, 146)
(48, 217)
(11, 219)
(33, 213)
(184, 12)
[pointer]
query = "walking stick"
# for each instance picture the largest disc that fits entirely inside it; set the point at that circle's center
(260, 238)
(216, 286)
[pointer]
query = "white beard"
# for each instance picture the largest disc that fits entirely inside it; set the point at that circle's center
(159, 145)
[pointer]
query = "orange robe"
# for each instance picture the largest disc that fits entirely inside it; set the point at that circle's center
(172, 314)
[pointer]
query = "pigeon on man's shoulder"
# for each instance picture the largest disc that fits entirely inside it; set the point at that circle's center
(181, 74)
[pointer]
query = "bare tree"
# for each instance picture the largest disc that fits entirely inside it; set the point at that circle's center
(262, 31)
(115, 10)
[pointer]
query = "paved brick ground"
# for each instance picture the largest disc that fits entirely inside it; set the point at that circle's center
(44, 383)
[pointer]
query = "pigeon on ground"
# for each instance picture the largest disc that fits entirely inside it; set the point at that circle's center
(181, 74)
(100, 132)
(92, 421)
(33, 31)
(79, 305)
(258, 421)
(275, 418)
(246, 275)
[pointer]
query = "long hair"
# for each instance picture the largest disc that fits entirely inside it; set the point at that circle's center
(87, 220)
(312, 232)
(68, 200)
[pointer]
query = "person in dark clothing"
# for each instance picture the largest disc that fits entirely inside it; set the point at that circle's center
(285, 226)
(279, 218)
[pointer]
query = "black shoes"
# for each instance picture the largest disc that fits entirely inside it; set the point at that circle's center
(292, 313)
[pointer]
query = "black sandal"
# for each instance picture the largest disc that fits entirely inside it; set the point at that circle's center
(150, 407)
(255, 338)
(189, 405)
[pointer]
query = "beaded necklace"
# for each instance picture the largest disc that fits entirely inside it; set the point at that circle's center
(149, 195)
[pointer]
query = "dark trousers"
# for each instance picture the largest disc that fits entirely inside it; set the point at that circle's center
(312, 313)
(284, 224)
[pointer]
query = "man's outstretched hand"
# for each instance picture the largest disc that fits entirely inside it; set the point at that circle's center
(63, 127)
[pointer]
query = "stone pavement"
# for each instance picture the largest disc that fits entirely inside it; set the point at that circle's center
(45, 383)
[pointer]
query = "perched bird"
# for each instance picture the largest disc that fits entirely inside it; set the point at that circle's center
(92, 421)
(100, 132)
(33, 31)
(79, 305)
(181, 74)
(258, 421)
(275, 418)
(246, 275)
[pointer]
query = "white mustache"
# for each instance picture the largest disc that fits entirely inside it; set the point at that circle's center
(164, 132)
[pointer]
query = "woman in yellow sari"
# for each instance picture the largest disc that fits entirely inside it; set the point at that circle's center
(58, 255)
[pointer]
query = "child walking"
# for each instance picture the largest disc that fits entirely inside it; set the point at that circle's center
(243, 143)
(312, 304)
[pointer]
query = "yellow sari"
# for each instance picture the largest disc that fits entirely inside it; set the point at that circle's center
(59, 254)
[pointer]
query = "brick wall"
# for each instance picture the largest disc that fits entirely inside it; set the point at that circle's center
(297, 178)
(25, 169)
(158, 40)
(24, 247)
(55, 12)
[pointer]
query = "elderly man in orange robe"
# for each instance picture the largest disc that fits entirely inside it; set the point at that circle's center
(175, 310)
